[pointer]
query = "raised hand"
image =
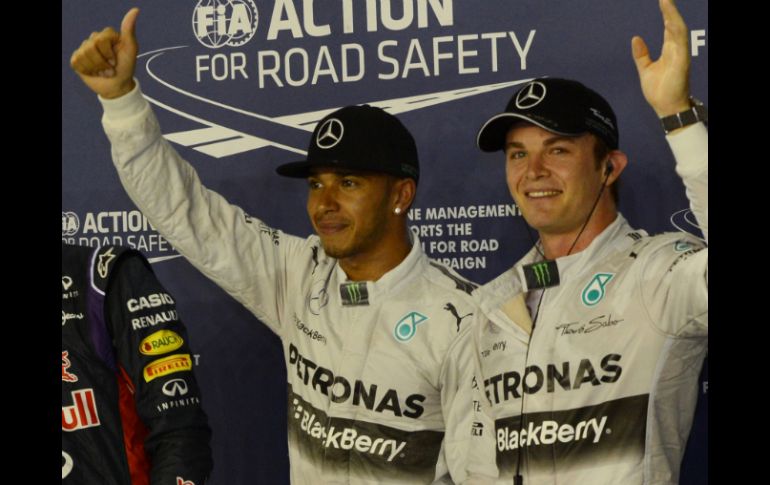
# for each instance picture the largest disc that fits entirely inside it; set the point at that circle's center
(666, 81)
(106, 60)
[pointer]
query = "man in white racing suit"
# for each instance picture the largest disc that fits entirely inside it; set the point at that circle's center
(366, 320)
(593, 342)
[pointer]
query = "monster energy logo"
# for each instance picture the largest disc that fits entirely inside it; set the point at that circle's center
(542, 274)
(354, 293)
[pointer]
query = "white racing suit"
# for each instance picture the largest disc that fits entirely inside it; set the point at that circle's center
(366, 362)
(609, 377)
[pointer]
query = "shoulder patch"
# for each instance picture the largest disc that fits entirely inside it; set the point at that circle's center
(685, 250)
(682, 245)
(460, 283)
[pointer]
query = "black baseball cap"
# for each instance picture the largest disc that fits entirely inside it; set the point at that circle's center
(359, 138)
(561, 106)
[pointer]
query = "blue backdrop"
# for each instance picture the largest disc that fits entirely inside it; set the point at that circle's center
(238, 86)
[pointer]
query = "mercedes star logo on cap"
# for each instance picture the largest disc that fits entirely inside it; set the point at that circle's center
(330, 133)
(531, 95)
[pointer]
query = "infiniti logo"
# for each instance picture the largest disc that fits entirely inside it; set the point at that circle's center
(175, 387)
(330, 133)
(531, 95)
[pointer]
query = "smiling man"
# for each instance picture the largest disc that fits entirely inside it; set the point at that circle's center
(594, 340)
(362, 171)
(366, 320)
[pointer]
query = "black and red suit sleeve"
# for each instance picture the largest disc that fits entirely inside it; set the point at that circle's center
(155, 363)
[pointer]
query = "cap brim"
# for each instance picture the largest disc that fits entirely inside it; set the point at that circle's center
(304, 169)
(491, 136)
(299, 170)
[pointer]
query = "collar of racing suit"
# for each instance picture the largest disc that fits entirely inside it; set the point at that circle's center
(411, 266)
(509, 284)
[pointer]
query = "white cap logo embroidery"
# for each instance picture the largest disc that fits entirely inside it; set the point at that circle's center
(531, 95)
(330, 133)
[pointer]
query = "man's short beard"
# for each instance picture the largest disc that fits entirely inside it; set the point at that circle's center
(334, 253)
(346, 252)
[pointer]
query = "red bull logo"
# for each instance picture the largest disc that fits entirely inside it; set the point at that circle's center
(65, 364)
(82, 413)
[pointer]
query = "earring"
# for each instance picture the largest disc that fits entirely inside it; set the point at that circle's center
(397, 210)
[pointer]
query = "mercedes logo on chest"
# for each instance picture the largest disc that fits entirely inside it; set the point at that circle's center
(330, 133)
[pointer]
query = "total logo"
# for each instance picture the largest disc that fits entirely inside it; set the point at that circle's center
(219, 23)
